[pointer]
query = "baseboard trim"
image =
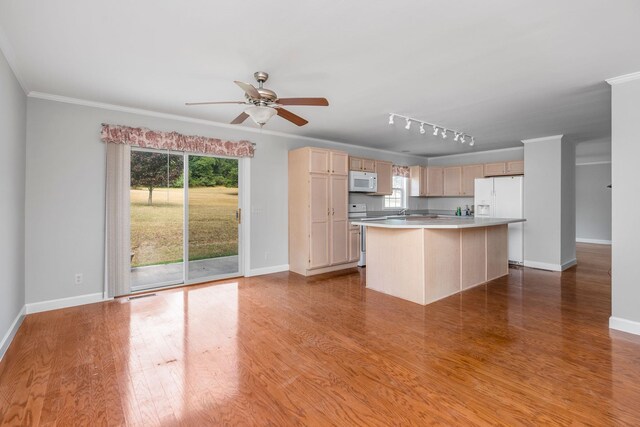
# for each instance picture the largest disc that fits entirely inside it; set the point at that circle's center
(624, 325)
(268, 270)
(54, 304)
(550, 267)
(569, 264)
(11, 333)
(594, 241)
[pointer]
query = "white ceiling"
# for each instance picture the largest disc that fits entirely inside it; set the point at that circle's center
(503, 71)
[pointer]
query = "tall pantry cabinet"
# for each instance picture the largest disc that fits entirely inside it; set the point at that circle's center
(318, 204)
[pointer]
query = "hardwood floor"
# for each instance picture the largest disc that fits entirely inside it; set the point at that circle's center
(528, 349)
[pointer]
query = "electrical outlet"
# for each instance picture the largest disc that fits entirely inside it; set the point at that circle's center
(78, 279)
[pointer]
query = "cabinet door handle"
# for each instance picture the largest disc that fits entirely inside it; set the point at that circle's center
(333, 211)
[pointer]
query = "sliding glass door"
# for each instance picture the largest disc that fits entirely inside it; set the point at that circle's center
(213, 217)
(175, 219)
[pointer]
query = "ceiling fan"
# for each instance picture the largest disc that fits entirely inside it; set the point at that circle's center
(264, 103)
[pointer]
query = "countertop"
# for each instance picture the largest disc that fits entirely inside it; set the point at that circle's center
(436, 222)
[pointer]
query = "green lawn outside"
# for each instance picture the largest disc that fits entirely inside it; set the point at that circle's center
(156, 231)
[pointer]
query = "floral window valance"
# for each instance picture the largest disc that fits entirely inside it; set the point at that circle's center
(402, 171)
(147, 138)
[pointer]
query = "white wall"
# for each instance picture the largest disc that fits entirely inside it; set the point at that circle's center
(568, 203)
(593, 202)
(12, 185)
(451, 203)
(625, 152)
(65, 192)
(549, 203)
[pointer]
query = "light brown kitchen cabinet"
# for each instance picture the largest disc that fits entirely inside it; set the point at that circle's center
(339, 162)
(469, 175)
(515, 167)
(364, 165)
(452, 177)
(385, 178)
(354, 243)
(318, 160)
(417, 181)
(495, 169)
(435, 181)
(318, 219)
(339, 190)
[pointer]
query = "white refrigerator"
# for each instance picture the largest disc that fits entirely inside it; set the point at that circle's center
(503, 197)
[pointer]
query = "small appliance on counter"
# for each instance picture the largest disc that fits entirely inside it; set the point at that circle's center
(363, 182)
(359, 211)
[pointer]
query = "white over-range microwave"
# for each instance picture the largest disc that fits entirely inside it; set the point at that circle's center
(363, 182)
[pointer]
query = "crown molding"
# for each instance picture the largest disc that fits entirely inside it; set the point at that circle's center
(131, 110)
(8, 52)
(598, 162)
(475, 153)
(623, 79)
(543, 139)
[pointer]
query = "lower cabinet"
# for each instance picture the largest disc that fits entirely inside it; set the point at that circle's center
(354, 243)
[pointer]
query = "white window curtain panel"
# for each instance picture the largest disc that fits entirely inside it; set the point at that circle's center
(118, 229)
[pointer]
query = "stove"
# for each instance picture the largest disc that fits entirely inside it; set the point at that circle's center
(358, 211)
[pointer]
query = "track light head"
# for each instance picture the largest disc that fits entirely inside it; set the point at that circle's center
(435, 130)
(390, 119)
(455, 138)
(462, 140)
(444, 134)
(408, 126)
(422, 131)
(472, 142)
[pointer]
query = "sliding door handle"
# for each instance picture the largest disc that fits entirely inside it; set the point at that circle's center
(239, 215)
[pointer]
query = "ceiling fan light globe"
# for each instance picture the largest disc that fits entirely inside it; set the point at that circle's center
(260, 115)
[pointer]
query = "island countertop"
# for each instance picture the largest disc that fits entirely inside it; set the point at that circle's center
(437, 222)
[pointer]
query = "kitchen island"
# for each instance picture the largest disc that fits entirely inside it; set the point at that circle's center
(424, 259)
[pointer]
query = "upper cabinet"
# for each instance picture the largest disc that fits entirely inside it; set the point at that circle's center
(435, 181)
(318, 160)
(417, 181)
(514, 167)
(339, 163)
(364, 165)
(469, 175)
(385, 178)
(453, 181)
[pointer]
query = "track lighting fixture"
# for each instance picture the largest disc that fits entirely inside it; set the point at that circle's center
(437, 129)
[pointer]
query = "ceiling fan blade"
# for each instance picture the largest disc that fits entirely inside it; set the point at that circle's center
(321, 102)
(207, 103)
(249, 89)
(288, 115)
(241, 118)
